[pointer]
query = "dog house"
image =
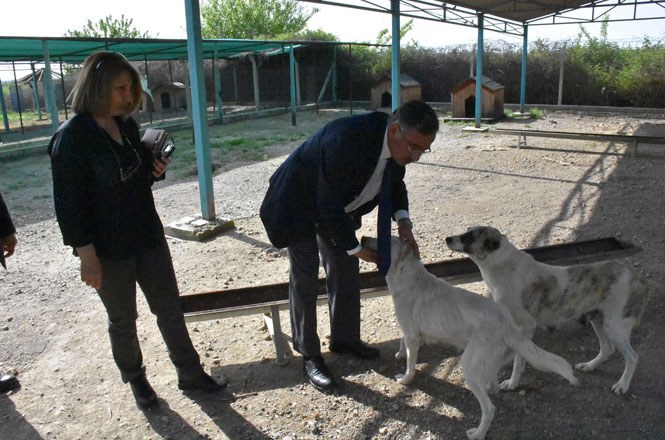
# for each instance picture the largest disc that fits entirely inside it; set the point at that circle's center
(381, 92)
(464, 99)
(167, 97)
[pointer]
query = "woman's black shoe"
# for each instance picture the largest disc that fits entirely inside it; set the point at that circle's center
(8, 382)
(145, 396)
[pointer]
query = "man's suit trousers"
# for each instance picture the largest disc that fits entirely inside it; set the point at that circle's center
(343, 288)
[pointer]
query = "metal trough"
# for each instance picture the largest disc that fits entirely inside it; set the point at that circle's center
(455, 271)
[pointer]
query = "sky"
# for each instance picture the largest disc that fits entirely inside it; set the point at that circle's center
(166, 19)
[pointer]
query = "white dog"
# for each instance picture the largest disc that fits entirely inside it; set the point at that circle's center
(430, 308)
(538, 294)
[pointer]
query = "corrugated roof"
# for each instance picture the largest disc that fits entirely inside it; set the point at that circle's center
(519, 10)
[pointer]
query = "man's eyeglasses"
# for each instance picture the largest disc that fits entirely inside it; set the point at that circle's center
(413, 149)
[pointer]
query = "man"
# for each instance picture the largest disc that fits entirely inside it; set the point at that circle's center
(8, 382)
(315, 203)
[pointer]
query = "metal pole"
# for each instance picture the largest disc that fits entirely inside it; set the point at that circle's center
(147, 81)
(18, 98)
(218, 87)
(350, 84)
(286, 76)
(200, 120)
(64, 95)
(395, 57)
(255, 77)
(292, 76)
(35, 85)
(562, 60)
(525, 45)
(4, 108)
(479, 70)
(334, 74)
(174, 100)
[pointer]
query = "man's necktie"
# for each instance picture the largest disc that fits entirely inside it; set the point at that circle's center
(383, 226)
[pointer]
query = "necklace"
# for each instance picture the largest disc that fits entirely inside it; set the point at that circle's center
(130, 170)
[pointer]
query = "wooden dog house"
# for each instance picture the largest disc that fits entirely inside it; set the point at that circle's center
(166, 97)
(381, 92)
(464, 99)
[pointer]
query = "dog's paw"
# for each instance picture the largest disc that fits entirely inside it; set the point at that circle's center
(585, 366)
(620, 388)
(474, 434)
(404, 379)
(507, 385)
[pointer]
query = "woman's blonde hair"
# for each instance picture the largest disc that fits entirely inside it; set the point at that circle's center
(93, 86)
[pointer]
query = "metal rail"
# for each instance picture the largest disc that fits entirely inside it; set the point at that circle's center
(270, 299)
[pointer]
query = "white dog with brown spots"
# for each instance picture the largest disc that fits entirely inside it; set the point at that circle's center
(430, 309)
(542, 295)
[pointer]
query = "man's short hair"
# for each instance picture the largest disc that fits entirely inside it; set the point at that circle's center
(93, 86)
(417, 115)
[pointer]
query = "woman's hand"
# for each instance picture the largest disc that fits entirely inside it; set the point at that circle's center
(159, 166)
(91, 268)
(8, 244)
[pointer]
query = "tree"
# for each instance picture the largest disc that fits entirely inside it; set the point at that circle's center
(108, 27)
(253, 19)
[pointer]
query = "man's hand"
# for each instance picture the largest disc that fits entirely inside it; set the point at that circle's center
(91, 268)
(159, 166)
(8, 244)
(366, 254)
(405, 232)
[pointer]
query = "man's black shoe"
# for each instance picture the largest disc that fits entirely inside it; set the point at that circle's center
(356, 348)
(318, 374)
(203, 383)
(8, 382)
(145, 396)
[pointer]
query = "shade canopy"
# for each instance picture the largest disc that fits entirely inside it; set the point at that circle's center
(75, 50)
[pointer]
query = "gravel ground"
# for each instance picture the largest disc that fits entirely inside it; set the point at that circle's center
(53, 328)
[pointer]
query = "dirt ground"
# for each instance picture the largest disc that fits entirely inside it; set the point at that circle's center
(53, 328)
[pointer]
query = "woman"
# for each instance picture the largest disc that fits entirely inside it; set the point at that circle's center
(102, 178)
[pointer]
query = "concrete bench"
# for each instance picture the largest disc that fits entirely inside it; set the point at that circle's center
(633, 140)
(270, 299)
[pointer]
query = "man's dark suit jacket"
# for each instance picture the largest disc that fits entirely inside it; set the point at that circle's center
(325, 174)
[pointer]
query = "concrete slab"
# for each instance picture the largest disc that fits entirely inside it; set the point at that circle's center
(476, 130)
(198, 228)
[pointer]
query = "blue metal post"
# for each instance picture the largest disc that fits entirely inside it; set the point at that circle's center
(199, 111)
(334, 74)
(4, 110)
(49, 94)
(395, 73)
(218, 88)
(34, 85)
(479, 70)
(292, 77)
(525, 45)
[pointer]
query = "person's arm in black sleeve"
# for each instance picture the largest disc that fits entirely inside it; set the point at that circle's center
(72, 193)
(6, 225)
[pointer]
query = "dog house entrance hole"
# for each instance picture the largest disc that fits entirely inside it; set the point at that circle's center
(470, 107)
(166, 100)
(386, 99)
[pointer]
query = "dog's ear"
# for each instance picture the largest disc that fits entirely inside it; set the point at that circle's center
(491, 244)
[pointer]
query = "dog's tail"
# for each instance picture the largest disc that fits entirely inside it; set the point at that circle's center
(539, 358)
